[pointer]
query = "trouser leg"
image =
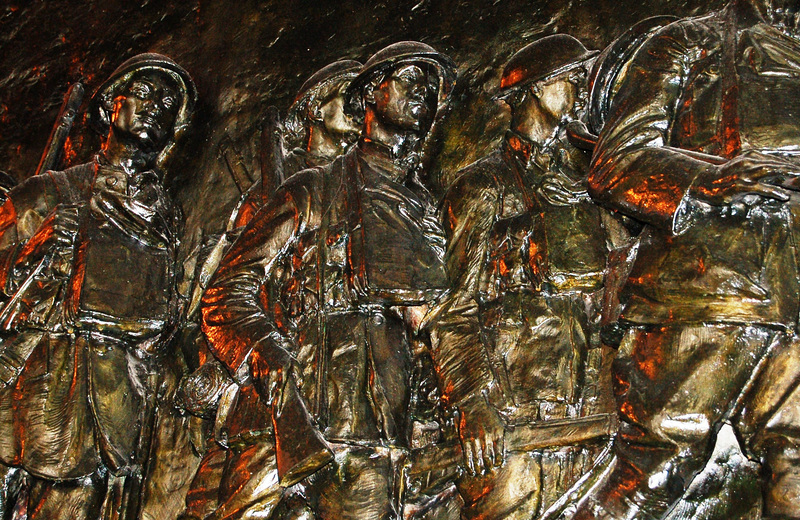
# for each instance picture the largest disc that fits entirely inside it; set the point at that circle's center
(249, 486)
(770, 425)
(500, 493)
(782, 479)
(12, 481)
(360, 485)
(674, 386)
(202, 498)
(68, 500)
(526, 484)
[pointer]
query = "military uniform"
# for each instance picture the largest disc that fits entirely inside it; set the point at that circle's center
(82, 362)
(238, 474)
(325, 272)
(712, 297)
(526, 255)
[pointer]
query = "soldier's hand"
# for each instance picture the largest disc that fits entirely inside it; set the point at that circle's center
(270, 368)
(482, 431)
(751, 173)
(56, 234)
(65, 223)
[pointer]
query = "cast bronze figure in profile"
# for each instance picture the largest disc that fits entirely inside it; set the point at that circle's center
(318, 302)
(84, 341)
(517, 341)
(238, 476)
(700, 144)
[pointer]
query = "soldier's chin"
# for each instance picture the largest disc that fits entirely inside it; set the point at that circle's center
(150, 140)
(421, 125)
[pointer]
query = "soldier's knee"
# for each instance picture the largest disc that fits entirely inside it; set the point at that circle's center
(683, 430)
(782, 479)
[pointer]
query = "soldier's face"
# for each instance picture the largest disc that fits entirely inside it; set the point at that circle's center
(331, 112)
(406, 99)
(146, 110)
(556, 98)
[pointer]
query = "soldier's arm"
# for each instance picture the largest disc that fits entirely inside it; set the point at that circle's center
(634, 169)
(234, 319)
(459, 353)
(461, 362)
(26, 232)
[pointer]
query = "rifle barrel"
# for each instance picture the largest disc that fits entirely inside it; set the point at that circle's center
(54, 149)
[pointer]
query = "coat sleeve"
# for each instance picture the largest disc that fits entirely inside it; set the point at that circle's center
(234, 319)
(464, 371)
(21, 217)
(633, 170)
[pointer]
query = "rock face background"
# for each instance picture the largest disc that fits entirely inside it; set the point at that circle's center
(248, 55)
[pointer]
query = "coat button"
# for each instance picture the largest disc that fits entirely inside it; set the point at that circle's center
(111, 181)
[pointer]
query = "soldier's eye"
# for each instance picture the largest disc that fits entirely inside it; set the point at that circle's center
(168, 102)
(140, 90)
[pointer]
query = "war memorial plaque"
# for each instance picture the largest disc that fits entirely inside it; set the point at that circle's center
(420, 260)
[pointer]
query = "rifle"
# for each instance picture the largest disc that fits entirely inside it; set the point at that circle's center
(273, 154)
(272, 174)
(445, 459)
(54, 149)
(235, 163)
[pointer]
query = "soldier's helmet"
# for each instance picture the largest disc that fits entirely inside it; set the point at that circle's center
(332, 75)
(98, 115)
(392, 57)
(544, 59)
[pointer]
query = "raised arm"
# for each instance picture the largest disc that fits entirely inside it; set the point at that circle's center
(636, 171)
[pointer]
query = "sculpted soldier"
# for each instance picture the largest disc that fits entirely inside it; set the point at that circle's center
(89, 286)
(243, 427)
(321, 294)
(517, 342)
(316, 128)
(700, 144)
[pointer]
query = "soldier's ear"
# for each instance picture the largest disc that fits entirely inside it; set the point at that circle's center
(104, 111)
(108, 101)
(313, 112)
(369, 90)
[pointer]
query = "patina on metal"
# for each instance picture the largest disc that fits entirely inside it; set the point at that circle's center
(86, 345)
(240, 474)
(345, 255)
(710, 302)
(403, 315)
(517, 341)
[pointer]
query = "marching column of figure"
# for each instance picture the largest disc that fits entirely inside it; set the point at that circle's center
(317, 302)
(700, 144)
(238, 475)
(517, 342)
(84, 342)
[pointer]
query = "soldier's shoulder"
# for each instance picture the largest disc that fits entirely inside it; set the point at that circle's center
(305, 182)
(688, 31)
(304, 188)
(52, 187)
(478, 179)
(74, 181)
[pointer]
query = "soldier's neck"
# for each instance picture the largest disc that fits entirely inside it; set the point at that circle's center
(396, 143)
(126, 155)
(323, 144)
(381, 161)
(539, 130)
